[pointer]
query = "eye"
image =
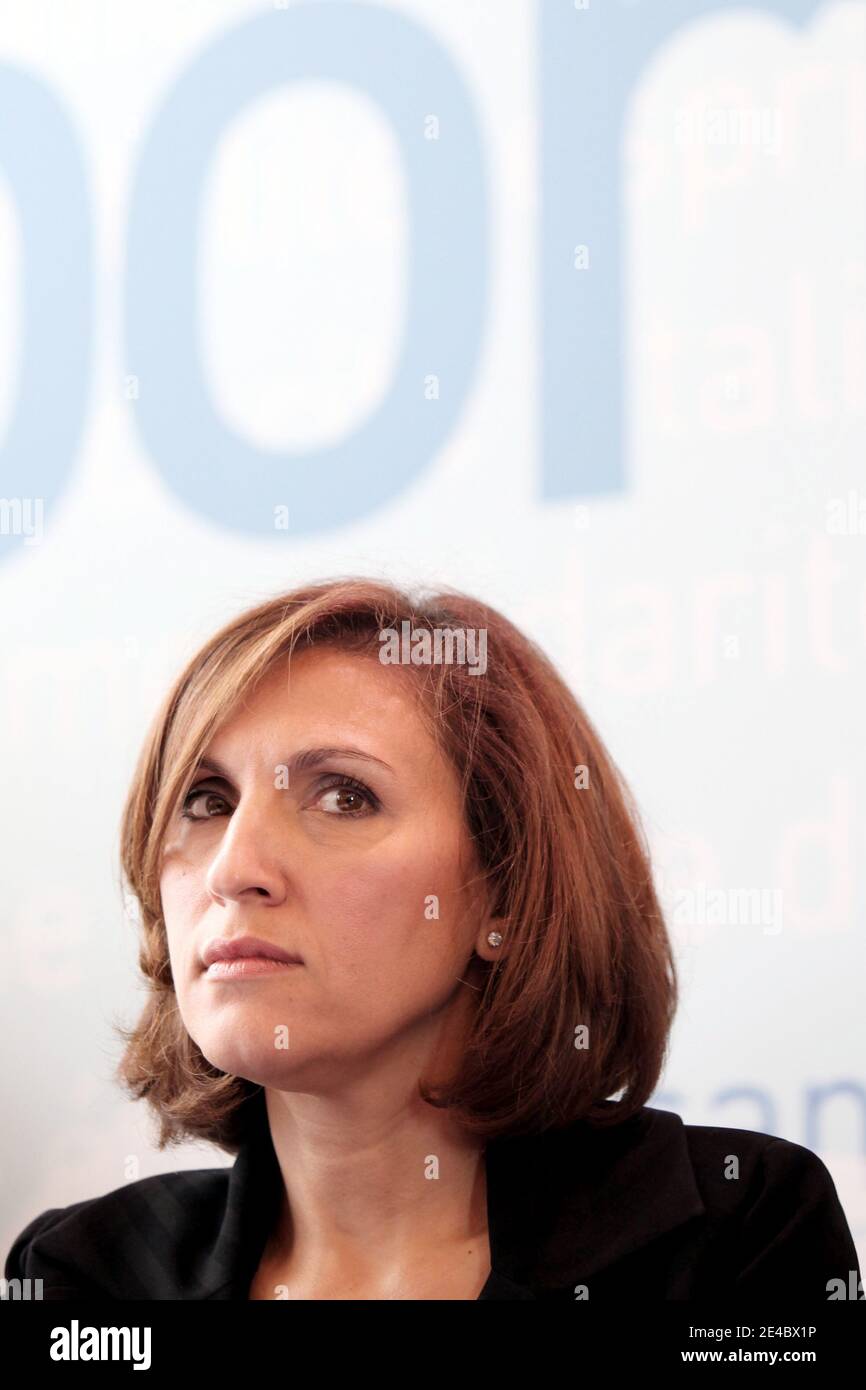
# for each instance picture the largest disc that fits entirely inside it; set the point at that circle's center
(344, 786)
(341, 788)
(196, 794)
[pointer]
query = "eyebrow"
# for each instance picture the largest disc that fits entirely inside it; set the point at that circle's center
(301, 761)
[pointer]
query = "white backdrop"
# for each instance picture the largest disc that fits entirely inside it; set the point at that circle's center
(707, 603)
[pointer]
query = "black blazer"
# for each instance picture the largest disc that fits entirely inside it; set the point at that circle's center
(643, 1211)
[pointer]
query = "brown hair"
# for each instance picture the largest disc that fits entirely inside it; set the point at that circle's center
(568, 869)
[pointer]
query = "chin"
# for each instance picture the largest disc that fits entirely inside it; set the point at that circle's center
(249, 1052)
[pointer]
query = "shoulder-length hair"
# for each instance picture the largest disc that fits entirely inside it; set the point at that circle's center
(581, 1006)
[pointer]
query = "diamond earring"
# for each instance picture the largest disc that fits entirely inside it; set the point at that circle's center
(494, 938)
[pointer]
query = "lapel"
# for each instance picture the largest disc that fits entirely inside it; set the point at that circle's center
(567, 1203)
(252, 1203)
(561, 1205)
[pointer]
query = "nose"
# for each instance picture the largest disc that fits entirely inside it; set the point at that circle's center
(249, 861)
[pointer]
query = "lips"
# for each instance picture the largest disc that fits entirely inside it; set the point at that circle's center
(244, 948)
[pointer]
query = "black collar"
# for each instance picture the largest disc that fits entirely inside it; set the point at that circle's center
(561, 1205)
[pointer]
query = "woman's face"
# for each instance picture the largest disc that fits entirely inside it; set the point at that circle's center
(370, 885)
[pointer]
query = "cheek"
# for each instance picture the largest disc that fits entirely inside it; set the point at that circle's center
(393, 911)
(183, 901)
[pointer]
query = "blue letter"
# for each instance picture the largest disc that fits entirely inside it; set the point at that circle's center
(43, 163)
(207, 464)
(591, 60)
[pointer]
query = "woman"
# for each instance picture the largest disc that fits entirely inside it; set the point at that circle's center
(406, 962)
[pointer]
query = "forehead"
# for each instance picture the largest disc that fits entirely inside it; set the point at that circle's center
(327, 696)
